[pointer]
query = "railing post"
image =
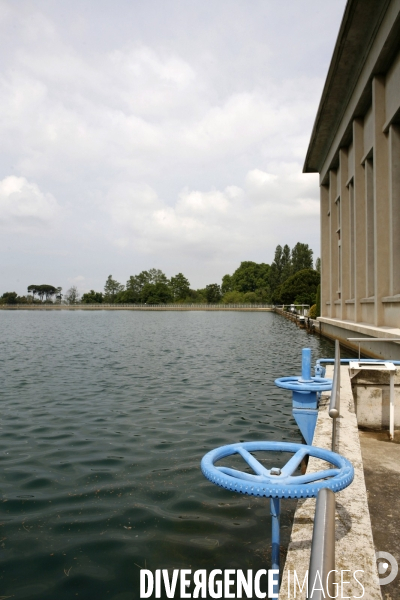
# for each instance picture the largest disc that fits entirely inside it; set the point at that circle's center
(322, 560)
(275, 504)
(334, 404)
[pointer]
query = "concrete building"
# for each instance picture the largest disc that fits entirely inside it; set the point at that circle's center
(355, 147)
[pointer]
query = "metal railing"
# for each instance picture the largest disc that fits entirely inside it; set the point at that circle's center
(359, 340)
(322, 559)
(301, 309)
(100, 305)
(334, 404)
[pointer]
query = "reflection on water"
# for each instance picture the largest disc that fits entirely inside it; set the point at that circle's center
(105, 417)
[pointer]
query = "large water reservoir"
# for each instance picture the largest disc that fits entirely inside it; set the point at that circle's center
(104, 419)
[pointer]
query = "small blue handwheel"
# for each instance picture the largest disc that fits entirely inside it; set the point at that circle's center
(277, 482)
(315, 384)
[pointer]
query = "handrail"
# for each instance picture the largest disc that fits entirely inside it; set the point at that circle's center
(346, 361)
(288, 308)
(132, 305)
(334, 404)
(359, 340)
(322, 559)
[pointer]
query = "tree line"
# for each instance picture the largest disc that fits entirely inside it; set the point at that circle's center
(290, 278)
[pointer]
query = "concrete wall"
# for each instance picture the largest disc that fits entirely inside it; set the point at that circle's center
(371, 398)
(360, 191)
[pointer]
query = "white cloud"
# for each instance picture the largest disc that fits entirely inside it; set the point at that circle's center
(158, 143)
(208, 223)
(24, 206)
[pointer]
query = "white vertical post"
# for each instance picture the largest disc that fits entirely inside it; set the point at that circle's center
(391, 396)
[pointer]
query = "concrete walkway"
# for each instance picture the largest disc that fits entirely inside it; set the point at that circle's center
(354, 541)
(381, 460)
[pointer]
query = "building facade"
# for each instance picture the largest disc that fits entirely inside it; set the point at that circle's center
(355, 148)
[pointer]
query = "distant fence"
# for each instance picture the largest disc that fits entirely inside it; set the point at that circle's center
(101, 306)
(301, 309)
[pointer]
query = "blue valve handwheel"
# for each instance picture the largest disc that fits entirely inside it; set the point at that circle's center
(284, 484)
(317, 384)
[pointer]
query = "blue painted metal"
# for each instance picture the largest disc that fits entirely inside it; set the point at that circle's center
(317, 384)
(275, 509)
(306, 419)
(319, 370)
(277, 483)
(306, 391)
(306, 365)
(284, 484)
(304, 399)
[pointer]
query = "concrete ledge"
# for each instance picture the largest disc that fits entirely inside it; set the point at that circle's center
(354, 542)
(363, 328)
(341, 330)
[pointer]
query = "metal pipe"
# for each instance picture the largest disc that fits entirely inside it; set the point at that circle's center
(346, 361)
(306, 365)
(275, 505)
(373, 339)
(322, 560)
(359, 340)
(334, 404)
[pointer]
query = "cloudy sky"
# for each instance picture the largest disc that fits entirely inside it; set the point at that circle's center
(156, 133)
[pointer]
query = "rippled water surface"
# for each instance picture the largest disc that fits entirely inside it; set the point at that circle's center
(105, 417)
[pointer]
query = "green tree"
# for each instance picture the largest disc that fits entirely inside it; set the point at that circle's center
(157, 276)
(9, 298)
(233, 297)
(32, 289)
(250, 276)
(250, 298)
(213, 293)
(312, 313)
(226, 284)
(302, 257)
(275, 275)
(196, 297)
(286, 263)
(134, 287)
(180, 287)
(263, 295)
(111, 289)
(92, 297)
(318, 265)
(44, 291)
(72, 295)
(299, 288)
(156, 293)
(49, 291)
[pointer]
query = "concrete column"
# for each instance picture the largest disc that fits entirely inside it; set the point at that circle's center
(381, 199)
(369, 228)
(394, 200)
(325, 251)
(359, 218)
(351, 239)
(334, 272)
(344, 234)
